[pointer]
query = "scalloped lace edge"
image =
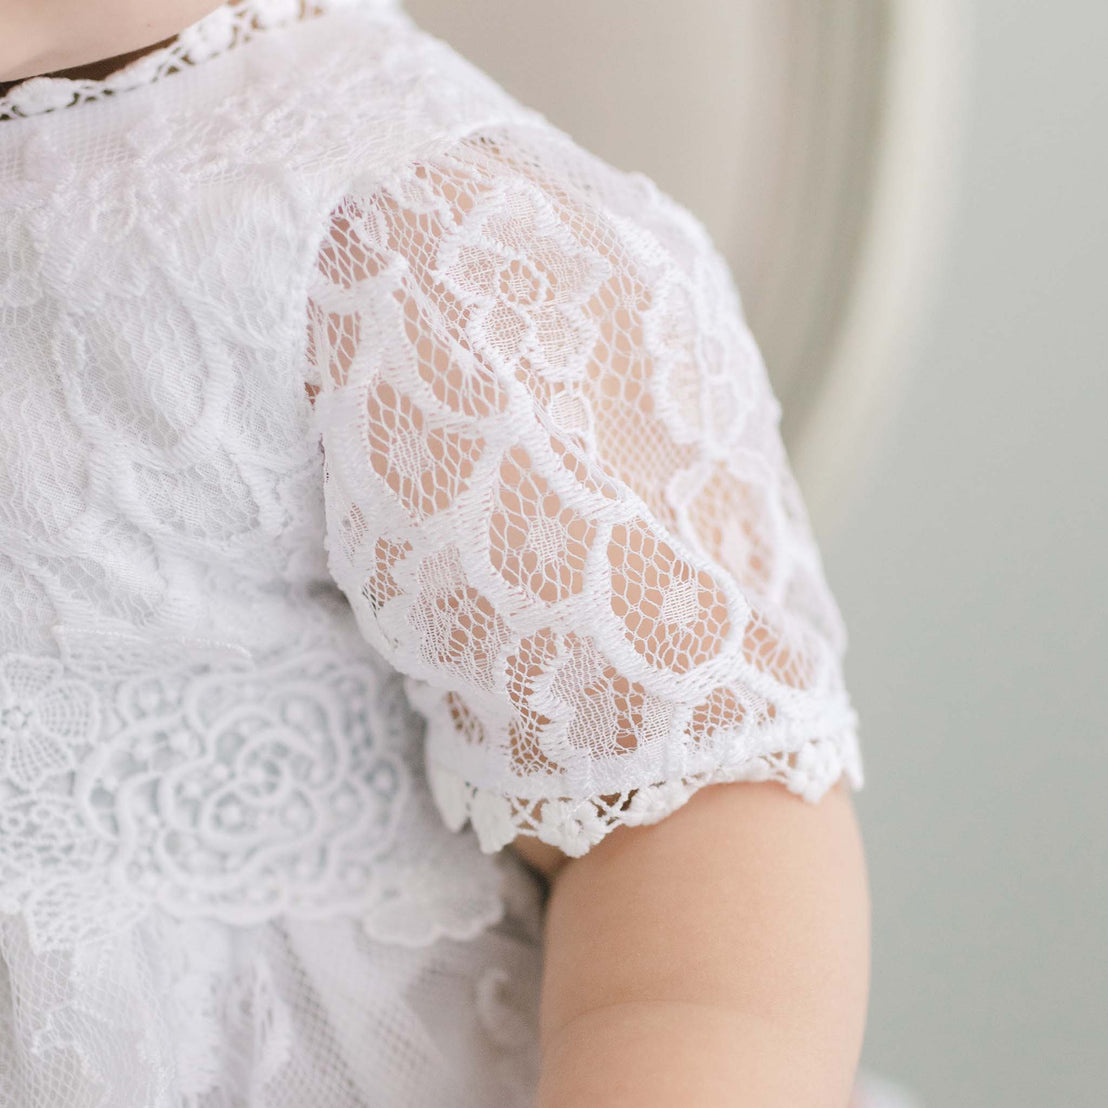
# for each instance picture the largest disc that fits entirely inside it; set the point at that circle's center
(577, 825)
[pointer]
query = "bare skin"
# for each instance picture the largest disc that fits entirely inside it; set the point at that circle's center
(48, 36)
(718, 958)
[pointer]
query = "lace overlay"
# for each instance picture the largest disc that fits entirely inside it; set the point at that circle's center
(372, 459)
(190, 720)
(223, 788)
(195, 1014)
(557, 499)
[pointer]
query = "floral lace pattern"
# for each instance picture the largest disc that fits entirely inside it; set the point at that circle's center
(162, 523)
(557, 499)
(372, 459)
(239, 793)
(44, 717)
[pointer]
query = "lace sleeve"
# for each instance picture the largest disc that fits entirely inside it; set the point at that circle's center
(557, 499)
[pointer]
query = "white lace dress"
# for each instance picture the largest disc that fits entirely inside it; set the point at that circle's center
(381, 475)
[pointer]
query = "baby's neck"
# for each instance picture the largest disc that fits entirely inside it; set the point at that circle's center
(93, 71)
(75, 38)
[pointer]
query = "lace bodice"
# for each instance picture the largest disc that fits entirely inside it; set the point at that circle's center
(372, 459)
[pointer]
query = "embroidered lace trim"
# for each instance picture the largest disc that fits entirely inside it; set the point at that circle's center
(223, 29)
(575, 826)
(229, 787)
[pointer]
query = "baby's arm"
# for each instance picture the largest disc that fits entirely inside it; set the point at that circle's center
(559, 503)
(717, 958)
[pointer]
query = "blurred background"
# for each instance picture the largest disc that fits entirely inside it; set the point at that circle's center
(913, 196)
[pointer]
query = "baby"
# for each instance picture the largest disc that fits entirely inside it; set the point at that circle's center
(528, 376)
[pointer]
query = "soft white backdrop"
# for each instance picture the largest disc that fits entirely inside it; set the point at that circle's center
(973, 575)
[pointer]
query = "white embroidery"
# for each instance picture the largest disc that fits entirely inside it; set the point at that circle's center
(240, 794)
(340, 378)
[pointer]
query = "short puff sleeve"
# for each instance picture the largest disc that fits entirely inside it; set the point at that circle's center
(556, 496)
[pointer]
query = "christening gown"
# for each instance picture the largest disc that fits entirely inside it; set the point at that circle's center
(382, 476)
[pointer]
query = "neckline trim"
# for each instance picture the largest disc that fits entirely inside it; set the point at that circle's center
(223, 29)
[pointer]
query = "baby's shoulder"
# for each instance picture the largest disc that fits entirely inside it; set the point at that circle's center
(379, 92)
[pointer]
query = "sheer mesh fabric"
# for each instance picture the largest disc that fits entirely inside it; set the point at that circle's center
(557, 499)
(223, 881)
(192, 1013)
(548, 572)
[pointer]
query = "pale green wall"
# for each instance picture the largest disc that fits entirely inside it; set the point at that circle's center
(973, 574)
